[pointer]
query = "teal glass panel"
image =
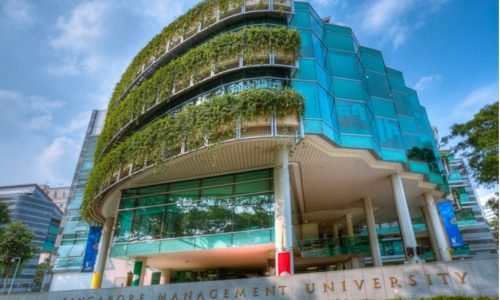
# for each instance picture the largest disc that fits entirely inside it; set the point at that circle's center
(396, 80)
(349, 89)
(307, 69)
(309, 92)
(177, 245)
(373, 63)
(253, 237)
(339, 41)
(383, 108)
(352, 117)
(306, 44)
(408, 124)
(127, 203)
(378, 85)
(217, 191)
(220, 180)
(326, 106)
(344, 65)
(147, 223)
(253, 187)
(313, 126)
(183, 185)
(184, 196)
(152, 200)
(394, 155)
(301, 6)
(301, 19)
(264, 174)
(338, 29)
(213, 241)
(123, 226)
(410, 141)
(355, 141)
(388, 133)
(319, 50)
(143, 248)
(402, 103)
(419, 167)
(436, 178)
(118, 250)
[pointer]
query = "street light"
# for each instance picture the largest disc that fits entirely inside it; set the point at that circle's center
(15, 272)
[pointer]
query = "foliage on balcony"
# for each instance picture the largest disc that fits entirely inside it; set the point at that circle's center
(202, 15)
(194, 66)
(215, 120)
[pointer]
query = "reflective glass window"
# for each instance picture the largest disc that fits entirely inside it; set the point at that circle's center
(344, 64)
(353, 117)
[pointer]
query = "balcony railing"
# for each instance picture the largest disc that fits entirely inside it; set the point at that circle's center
(212, 19)
(335, 246)
(212, 70)
(260, 127)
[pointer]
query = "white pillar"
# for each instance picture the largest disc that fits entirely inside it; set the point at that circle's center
(430, 232)
(165, 276)
(404, 218)
(372, 232)
(438, 228)
(102, 254)
(350, 235)
(283, 207)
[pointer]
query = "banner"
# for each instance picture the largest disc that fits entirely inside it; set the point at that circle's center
(91, 249)
(447, 213)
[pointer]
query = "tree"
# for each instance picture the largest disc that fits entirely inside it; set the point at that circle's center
(493, 205)
(479, 144)
(4, 213)
(15, 241)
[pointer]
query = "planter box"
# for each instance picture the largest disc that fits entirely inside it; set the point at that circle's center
(252, 5)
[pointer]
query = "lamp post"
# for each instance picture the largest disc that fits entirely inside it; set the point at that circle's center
(15, 272)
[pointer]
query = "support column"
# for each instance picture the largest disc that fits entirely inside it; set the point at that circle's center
(438, 228)
(372, 232)
(350, 240)
(335, 231)
(283, 214)
(404, 218)
(165, 276)
(430, 233)
(102, 253)
(138, 272)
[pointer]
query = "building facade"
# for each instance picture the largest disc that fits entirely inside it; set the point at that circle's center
(254, 129)
(30, 205)
(475, 231)
(59, 195)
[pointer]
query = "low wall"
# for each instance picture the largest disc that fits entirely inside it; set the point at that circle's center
(467, 277)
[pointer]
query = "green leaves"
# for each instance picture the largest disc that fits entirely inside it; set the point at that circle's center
(225, 47)
(216, 119)
(15, 241)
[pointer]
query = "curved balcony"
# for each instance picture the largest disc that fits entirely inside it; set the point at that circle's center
(213, 71)
(183, 36)
(254, 47)
(250, 114)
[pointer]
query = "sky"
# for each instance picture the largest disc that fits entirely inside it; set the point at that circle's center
(60, 59)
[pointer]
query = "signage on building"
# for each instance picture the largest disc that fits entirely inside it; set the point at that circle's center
(469, 277)
(450, 224)
(91, 249)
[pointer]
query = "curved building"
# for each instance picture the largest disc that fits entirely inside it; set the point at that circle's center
(252, 138)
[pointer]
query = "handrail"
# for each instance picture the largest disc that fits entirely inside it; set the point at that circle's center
(173, 51)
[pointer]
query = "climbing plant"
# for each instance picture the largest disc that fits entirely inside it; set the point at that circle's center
(195, 65)
(214, 119)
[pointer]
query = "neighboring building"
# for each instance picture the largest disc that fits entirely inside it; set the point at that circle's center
(488, 213)
(59, 195)
(475, 231)
(30, 205)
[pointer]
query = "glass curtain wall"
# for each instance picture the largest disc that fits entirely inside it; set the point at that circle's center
(214, 205)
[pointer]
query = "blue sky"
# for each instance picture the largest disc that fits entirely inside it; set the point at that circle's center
(60, 59)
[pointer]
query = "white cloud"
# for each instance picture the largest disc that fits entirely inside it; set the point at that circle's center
(425, 81)
(77, 123)
(42, 123)
(52, 160)
(475, 100)
(19, 12)
(160, 11)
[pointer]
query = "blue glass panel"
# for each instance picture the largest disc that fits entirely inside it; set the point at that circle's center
(343, 64)
(373, 63)
(307, 69)
(383, 108)
(253, 237)
(316, 25)
(177, 245)
(394, 155)
(301, 19)
(322, 76)
(402, 103)
(306, 44)
(419, 167)
(313, 126)
(319, 50)
(326, 104)
(408, 124)
(389, 134)
(349, 89)
(213, 241)
(352, 117)
(396, 80)
(309, 92)
(410, 141)
(339, 41)
(118, 250)
(354, 141)
(338, 29)
(378, 85)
